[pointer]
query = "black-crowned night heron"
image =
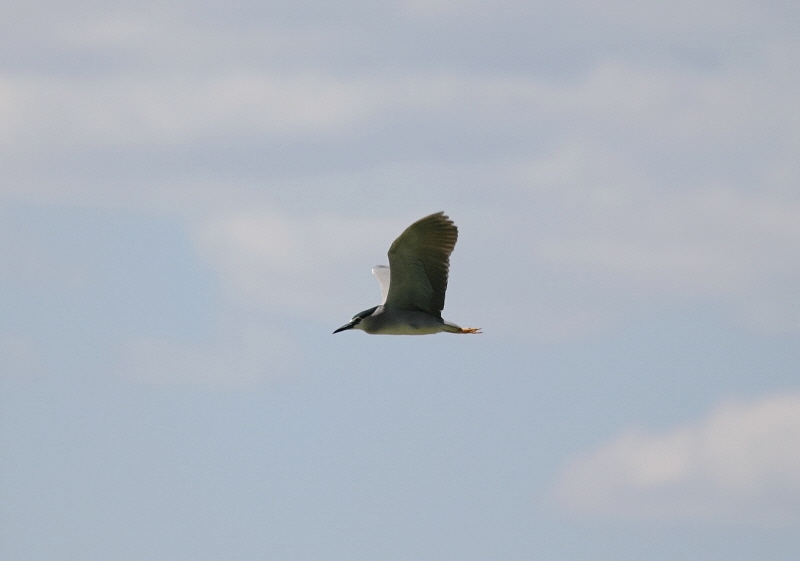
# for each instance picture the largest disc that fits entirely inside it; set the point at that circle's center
(414, 283)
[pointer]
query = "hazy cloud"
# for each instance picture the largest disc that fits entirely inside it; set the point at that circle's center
(241, 355)
(713, 241)
(741, 463)
(167, 110)
(665, 177)
(292, 264)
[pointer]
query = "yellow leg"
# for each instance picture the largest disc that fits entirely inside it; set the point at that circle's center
(471, 330)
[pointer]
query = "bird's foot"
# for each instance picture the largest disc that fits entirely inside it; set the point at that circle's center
(471, 330)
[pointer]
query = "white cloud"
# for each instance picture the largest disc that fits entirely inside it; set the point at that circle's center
(174, 108)
(41, 111)
(663, 179)
(680, 110)
(610, 220)
(669, 109)
(741, 464)
(711, 241)
(295, 265)
(604, 248)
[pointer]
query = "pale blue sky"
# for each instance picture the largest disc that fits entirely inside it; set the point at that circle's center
(192, 196)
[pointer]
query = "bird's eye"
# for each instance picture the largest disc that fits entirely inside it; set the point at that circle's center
(356, 319)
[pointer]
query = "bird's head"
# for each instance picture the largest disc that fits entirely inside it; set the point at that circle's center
(356, 321)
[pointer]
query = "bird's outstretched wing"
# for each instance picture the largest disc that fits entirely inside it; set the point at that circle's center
(419, 262)
(381, 273)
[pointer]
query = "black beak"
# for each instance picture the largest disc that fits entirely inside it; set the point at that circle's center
(345, 327)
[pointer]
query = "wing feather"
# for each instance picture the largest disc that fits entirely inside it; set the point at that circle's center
(381, 273)
(419, 264)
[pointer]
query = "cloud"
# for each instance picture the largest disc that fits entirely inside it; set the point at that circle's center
(674, 111)
(589, 242)
(674, 177)
(714, 241)
(741, 463)
(169, 109)
(673, 182)
(125, 110)
(296, 265)
(709, 17)
(240, 356)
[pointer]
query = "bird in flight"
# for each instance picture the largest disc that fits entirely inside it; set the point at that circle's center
(414, 283)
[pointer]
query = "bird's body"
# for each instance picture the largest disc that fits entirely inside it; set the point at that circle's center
(384, 321)
(414, 284)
